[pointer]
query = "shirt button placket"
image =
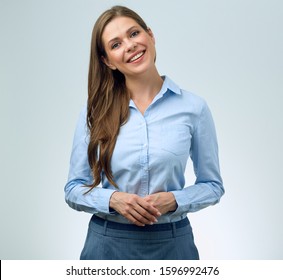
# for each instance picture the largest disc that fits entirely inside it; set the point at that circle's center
(144, 161)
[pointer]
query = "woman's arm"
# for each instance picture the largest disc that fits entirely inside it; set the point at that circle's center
(80, 175)
(208, 187)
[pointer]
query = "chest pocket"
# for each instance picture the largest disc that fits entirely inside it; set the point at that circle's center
(176, 139)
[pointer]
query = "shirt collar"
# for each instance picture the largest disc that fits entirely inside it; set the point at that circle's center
(168, 84)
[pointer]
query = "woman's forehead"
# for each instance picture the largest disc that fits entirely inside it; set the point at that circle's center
(117, 27)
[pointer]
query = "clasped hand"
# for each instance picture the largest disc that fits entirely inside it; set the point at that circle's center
(142, 211)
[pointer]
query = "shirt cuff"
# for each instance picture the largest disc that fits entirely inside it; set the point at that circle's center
(101, 198)
(180, 201)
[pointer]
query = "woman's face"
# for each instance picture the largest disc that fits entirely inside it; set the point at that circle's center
(129, 48)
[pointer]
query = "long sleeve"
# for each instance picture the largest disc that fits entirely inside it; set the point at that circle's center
(97, 200)
(208, 187)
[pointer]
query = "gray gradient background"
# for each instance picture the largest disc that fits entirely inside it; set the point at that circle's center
(229, 52)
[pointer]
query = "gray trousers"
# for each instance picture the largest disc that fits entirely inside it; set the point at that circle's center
(114, 241)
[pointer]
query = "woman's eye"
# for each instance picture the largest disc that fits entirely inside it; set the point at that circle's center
(115, 46)
(135, 33)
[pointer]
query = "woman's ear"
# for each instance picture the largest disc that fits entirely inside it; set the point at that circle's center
(107, 63)
(150, 33)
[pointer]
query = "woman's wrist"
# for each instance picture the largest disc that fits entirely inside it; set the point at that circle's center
(112, 200)
(172, 202)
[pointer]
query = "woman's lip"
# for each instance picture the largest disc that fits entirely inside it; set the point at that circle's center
(142, 54)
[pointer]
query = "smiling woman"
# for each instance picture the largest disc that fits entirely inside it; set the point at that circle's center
(132, 51)
(131, 146)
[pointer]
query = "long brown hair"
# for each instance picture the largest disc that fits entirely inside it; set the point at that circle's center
(108, 99)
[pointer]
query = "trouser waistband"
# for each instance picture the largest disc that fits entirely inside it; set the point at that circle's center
(147, 228)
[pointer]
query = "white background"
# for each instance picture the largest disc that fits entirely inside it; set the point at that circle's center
(229, 52)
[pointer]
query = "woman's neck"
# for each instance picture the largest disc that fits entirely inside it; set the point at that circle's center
(145, 87)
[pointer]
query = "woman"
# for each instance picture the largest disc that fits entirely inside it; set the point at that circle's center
(131, 146)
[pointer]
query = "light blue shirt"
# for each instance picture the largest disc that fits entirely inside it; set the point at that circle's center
(150, 156)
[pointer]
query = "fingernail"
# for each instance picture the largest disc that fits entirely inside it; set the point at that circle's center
(159, 214)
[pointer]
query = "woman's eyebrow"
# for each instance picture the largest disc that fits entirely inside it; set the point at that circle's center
(127, 31)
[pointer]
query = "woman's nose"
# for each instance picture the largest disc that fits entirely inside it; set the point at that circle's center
(130, 46)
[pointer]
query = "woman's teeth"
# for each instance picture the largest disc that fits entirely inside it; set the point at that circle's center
(136, 56)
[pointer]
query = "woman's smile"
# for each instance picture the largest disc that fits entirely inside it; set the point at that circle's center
(135, 57)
